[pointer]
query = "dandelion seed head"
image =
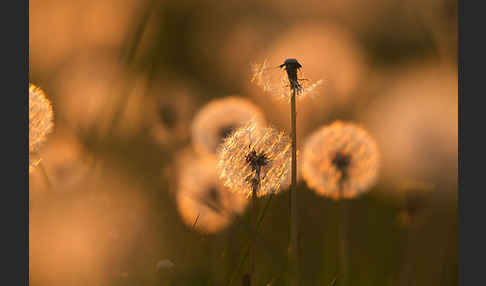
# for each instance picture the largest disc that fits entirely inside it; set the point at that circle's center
(202, 200)
(41, 122)
(414, 121)
(65, 160)
(340, 158)
(167, 114)
(251, 147)
(281, 83)
(219, 118)
(332, 62)
(170, 119)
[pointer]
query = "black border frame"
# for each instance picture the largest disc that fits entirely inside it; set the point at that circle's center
(14, 118)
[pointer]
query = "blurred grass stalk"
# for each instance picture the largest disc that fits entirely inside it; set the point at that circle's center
(294, 265)
(44, 175)
(127, 58)
(247, 249)
(343, 243)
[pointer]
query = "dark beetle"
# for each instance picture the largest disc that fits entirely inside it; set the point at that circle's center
(291, 67)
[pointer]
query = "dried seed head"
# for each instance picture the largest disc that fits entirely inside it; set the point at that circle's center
(414, 121)
(40, 121)
(219, 118)
(252, 149)
(280, 83)
(202, 200)
(65, 160)
(170, 119)
(340, 160)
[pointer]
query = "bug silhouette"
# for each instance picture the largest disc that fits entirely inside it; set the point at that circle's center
(271, 79)
(292, 66)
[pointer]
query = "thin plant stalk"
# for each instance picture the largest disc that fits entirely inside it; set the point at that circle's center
(404, 278)
(44, 174)
(343, 239)
(255, 185)
(293, 195)
(247, 249)
(127, 58)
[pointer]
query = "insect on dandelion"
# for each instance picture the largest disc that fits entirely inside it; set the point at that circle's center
(40, 122)
(254, 155)
(219, 118)
(202, 200)
(340, 160)
(281, 85)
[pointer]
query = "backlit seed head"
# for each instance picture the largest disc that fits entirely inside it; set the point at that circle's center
(40, 121)
(250, 149)
(280, 83)
(202, 200)
(219, 118)
(340, 160)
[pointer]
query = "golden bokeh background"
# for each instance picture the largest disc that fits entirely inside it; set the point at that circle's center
(126, 79)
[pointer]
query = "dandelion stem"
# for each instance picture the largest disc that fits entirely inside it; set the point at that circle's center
(247, 249)
(343, 239)
(293, 195)
(256, 183)
(404, 278)
(44, 174)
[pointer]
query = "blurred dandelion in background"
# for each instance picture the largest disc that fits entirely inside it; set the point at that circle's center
(92, 88)
(414, 121)
(416, 201)
(253, 144)
(202, 201)
(65, 160)
(41, 122)
(340, 160)
(60, 29)
(173, 105)
(86, 90)
(219, 118)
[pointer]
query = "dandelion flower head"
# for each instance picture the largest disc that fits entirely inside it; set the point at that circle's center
(219, 118)
(252, 149)
(202, 200)
(340, 160)
(40, 120)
